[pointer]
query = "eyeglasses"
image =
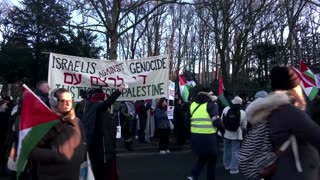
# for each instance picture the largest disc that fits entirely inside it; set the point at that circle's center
(65, 101)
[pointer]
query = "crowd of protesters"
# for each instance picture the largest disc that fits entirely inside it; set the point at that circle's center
(98, 120)
(94, 121)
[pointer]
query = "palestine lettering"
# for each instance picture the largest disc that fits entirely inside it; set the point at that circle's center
(141, 91)
(138, 91)
(76, 66)
(146, 66)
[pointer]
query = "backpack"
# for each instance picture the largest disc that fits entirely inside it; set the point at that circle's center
(231, 120)
(257, 157)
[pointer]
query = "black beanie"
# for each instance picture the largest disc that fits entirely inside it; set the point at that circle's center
(283, 78)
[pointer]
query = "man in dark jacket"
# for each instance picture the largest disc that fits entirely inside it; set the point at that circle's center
(62, 150)
(143, 107)
(205, 123)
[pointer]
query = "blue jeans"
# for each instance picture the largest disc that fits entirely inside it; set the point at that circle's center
(230, 154)
(203, 159)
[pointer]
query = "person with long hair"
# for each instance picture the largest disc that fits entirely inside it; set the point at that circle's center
(163, 125)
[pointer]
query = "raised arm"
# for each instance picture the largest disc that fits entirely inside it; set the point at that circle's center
(113, 97)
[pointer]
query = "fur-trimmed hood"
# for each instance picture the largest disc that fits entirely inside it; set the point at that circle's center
(261, 108)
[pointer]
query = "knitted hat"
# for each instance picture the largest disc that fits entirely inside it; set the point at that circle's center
(261, 94)
(283, 78)
(236, 100)
(98, 96)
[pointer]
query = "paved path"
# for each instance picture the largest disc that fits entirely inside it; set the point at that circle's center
(145, 163)
(153, 166)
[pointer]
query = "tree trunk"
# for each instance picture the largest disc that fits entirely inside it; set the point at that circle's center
(114, 45)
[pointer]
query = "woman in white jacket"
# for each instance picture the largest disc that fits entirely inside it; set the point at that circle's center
(233, 136)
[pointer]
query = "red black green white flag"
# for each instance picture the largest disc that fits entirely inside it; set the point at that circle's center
(307, 81)
(222, 97)
(36, 120)
(184, 87)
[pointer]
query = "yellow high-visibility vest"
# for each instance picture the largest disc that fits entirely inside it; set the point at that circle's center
(201, 122)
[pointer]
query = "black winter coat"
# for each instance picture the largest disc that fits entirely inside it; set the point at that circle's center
(103, 145)
(90, 112)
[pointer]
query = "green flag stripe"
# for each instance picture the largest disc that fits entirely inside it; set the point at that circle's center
(185, 94)
(311, 75)
(223, 100)
(29, 142)
(313, 93)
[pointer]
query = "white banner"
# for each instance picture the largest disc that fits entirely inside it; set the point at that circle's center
(147, 78)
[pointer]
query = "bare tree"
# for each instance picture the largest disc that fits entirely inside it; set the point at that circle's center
(232, 23)
(110, 17)
(293, 10)
(5, 29)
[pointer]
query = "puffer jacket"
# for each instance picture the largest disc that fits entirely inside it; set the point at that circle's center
(60, 153)
(285, 120)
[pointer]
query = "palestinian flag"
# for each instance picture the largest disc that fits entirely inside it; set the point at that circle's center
(307, 72)
(307, 81)
(222, 97)
(184, 86)
(36, 120)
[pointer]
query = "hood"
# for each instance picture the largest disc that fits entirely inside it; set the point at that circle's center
(261, 108)
(203, 97)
